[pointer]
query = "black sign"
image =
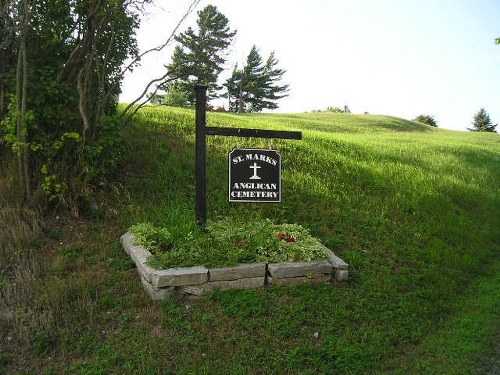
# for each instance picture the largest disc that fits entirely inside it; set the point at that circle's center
(254, 175)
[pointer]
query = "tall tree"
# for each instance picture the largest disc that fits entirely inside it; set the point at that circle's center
(201, 54)
(245, 85)
(256, 87)
(482, 122)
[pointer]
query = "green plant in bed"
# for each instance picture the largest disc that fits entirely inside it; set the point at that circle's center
(154, 239)
(227, 243)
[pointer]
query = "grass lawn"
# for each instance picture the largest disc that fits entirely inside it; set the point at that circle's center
(414, 210)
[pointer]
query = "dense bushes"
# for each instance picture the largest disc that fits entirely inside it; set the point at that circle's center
(60, 71)
(426, 119)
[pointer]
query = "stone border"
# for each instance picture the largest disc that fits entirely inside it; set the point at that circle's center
(197, 280)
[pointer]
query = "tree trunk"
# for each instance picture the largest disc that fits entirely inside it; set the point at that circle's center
(26, 150)
(3, 108)
(3, 56)
(21, 97)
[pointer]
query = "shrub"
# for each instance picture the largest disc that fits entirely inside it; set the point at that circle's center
(426, 119)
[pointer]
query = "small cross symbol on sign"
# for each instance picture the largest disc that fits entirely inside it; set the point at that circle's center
(255, 167)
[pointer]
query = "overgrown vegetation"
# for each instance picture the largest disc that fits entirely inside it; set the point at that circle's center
(152, 238)
(413, 209)
(228, 243)
(61, 64)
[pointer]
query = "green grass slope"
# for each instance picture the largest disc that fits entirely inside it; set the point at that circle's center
(414, 210)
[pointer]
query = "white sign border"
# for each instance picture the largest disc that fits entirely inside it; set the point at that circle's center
(229, 175)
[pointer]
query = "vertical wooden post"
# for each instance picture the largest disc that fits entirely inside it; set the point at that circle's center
(201, 155)
(201, 148)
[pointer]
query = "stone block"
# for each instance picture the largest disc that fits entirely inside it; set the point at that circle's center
(193, 290)
(334, 260)
(157, 293)
(179, 276)
(138, 254)
(341, 275)
(247, 283)
(287, 270)
(242, 271)
(294, 281)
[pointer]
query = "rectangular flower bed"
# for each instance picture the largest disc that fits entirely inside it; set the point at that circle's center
(161, 283)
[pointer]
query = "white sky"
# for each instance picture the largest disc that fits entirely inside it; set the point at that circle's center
(393, 57)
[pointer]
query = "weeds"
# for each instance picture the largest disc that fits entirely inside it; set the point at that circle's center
(18, 226)
(33, 307)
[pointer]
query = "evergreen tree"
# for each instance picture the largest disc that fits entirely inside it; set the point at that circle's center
(482, 122)
(201, 54)
(272, 90)
(234, 87)
(245, 85)
(255, 87)
(174, 97)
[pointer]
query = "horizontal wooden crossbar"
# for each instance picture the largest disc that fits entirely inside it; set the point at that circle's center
(253, 133)
(201, 147)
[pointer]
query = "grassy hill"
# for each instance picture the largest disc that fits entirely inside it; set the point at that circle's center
(414, 210)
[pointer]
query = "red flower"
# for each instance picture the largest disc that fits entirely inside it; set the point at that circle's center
(286, 238)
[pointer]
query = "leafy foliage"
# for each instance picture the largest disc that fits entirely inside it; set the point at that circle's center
(154, 239)
(174, 97)
(255, 87)
(426, 119)
(59, 84)
(482, 122)
(229, 243)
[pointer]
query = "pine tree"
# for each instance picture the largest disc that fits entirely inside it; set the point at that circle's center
(201, 54)
(482, 122)
(245, 85)
(234, 90)
(255, 87)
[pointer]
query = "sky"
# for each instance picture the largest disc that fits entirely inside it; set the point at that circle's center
(390, 57)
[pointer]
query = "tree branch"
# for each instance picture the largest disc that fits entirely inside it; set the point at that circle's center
(162, 78)
(191, 8)
(125, 114)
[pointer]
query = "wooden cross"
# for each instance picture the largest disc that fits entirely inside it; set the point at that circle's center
(201, 147)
